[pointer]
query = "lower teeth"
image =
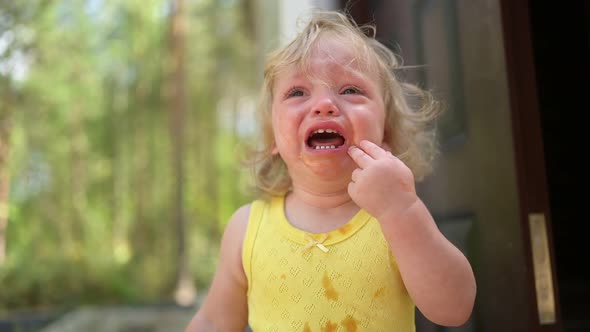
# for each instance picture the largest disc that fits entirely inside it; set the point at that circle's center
(324, 147)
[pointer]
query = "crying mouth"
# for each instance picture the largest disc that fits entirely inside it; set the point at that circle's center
(323, 139)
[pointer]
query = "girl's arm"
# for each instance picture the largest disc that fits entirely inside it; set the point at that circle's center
(436, 274)
(225, 307)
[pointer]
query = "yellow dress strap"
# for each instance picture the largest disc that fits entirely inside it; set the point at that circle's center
(257, 210)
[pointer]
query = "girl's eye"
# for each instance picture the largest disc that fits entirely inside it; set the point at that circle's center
(351, 91)
(295, 92)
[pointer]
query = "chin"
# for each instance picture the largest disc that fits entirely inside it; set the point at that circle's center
(330, 168)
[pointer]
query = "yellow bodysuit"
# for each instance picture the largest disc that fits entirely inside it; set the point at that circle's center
(344, 280)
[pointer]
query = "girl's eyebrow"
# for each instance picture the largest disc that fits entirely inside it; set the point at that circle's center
(335, 72)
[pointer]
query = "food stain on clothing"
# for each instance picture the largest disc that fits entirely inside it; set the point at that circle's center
(306, 327)
(349, 324)
(345, 229)
(329, 290)
(379, 293)
(330, 327)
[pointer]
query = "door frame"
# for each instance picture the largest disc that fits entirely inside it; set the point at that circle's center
(529, 150)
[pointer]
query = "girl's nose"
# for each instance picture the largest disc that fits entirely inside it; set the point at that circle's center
(325, 106)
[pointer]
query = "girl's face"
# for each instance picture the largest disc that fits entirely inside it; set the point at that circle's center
(316, 117)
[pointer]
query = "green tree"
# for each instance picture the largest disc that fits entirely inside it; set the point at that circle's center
(118, 141)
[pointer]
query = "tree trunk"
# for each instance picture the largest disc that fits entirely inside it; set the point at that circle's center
(78, 182)
(5, 129)
(141, 162)
(119, 128)
(185, 292)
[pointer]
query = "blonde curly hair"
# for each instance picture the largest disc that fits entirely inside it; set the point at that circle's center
(409, 110)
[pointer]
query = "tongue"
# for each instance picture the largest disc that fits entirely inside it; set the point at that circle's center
(332, 140)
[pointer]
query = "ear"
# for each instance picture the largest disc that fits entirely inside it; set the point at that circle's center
(384, 143)
(385, 146)
(274, 151)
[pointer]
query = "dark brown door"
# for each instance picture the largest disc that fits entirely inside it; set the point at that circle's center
(489, 191)
(544, 306)
(561, 34)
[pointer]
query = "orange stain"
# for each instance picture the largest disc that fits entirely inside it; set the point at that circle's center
(345, 229)
(283, 276)
(349, 324)
(306, 327)
(330, 327)
(379, 292)
(329, 290)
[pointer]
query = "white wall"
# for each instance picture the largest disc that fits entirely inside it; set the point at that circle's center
(292, 10)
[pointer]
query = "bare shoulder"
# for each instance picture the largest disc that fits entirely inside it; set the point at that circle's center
(225, 307)
(240, 217)
(233, 242)
(236, 226)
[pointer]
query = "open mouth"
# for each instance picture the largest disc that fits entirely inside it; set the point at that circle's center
(325, 139)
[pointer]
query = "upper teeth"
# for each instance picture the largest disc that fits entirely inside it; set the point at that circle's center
(329, 131)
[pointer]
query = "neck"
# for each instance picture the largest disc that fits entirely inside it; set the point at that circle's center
(327, 199)
(319, 212)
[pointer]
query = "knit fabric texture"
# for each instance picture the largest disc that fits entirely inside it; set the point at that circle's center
(343, 280)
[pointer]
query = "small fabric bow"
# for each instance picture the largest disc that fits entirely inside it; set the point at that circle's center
(318, 243)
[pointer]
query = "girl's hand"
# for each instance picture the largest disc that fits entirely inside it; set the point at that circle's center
(382, 185)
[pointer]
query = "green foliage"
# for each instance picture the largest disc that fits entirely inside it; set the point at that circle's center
(91, 210)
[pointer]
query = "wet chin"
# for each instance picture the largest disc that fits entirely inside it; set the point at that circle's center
(329, 166)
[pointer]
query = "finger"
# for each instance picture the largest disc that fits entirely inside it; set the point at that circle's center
(359, 156)
(355, 175)
(351, 188)
(373, 150)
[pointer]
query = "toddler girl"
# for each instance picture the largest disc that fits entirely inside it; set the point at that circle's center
(340, 241)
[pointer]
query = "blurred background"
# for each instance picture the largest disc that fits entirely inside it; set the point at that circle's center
(123, 123)
(118, 157)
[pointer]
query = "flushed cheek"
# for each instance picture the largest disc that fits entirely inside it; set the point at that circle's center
(368, 123)
(373, 133)
(286, 138)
